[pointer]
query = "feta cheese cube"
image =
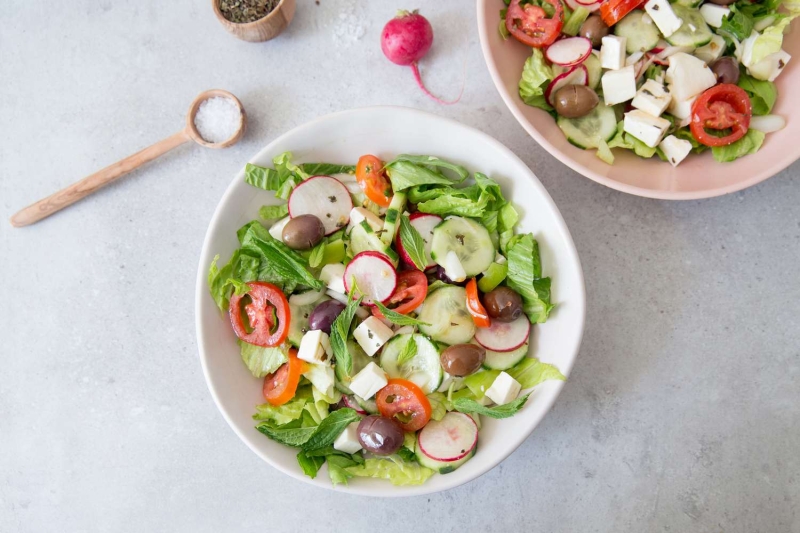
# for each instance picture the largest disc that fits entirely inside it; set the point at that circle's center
(360, 214)
(664, 17)
(619, 85)
(453, 267)
(322, 378)
(504, 389)
(371, 334)
(333, 276)
(645, 127)
(770, 67)
(688, 76)
(347, 441)
(369, 381)
(675, 149)
(612, 52)
(315, 347)
(277, 228)
(712, 51)
(652, 98)
(714, 14)
(681, 109)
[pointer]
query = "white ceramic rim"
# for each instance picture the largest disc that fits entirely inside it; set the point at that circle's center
(518, 437)
(513, 106)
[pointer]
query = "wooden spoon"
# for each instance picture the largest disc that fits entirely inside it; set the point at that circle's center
(66, 197)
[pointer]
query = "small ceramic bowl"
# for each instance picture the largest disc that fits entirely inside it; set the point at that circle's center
(263, 29)
(699, 176)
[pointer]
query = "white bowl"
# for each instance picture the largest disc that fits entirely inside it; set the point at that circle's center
(385, 132)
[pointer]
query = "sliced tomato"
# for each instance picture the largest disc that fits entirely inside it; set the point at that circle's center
(373, 181)
(475, 307)
(267, 302)
(529, 23)
(721, 108)
(406, 403)
(281, 385)
(612, 11)
(412, 287)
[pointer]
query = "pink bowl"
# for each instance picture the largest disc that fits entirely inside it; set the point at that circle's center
(699, 176)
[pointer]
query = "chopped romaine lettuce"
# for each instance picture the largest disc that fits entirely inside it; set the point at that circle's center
(525, 277)
(536, 76)
(749, 144)
(763, 94)
(394, 469)
(261, 360)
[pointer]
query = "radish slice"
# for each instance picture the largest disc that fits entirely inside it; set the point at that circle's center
(352, 404)
(324, 197)
(449, 439)
(767, 123)
(587, 3)
(374, 275)
(424, 224)
(570, 51)
(504, 336)
(577, 76)
(574, 4)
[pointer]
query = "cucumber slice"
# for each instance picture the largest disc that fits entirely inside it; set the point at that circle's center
(641, 33)
(442, 467)
(469, 240)
(693, 32)
(493, 277)
(423, 369)
(589, 130)
(392, 220)
(594, 69)
(363, 239)
(446, 312)
(370, 406)
(298, 325)
(504, 360)
(360, 360)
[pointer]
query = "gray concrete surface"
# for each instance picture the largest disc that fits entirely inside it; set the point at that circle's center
(682, 412)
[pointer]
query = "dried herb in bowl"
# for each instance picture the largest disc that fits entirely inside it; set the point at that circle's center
(243, 11)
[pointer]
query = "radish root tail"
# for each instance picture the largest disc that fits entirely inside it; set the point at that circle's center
(418, 78)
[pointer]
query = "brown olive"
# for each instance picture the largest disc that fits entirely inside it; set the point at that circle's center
(303, 232)
(380, 435)
(503, 304)
(594, 29)
(726, 69)
(574, 101)
(462, 359)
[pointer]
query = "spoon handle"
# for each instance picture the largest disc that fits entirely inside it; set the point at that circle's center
(68, 196)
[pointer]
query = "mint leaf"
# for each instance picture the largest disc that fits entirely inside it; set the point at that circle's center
(279, 264)
(340, 329)
(408, 352)
(330, 428)
(413, 243)
(465, 405)
(396, 318)
(317, 254)
(269, 212)
(310, 465)
(327, 169)
(289, 436)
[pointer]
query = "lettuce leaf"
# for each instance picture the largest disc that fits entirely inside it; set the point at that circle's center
(763, 94)
(530, 372)
(749, 144)
(281, 179)
(281, 414)
(270, 212)
(261, 360)
(770, 40)
(536, 76)
(525, 277)
(438, 405)
(397, 471)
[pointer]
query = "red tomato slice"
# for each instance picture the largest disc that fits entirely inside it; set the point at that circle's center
(373, 181)
(406, 403)
(281, 385)
(529, 23)
(612, 11)
(268, 302)
(722, 107)
(412, 287)
(475, 307)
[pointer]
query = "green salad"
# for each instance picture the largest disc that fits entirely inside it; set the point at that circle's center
(387, 307)
(661, 78)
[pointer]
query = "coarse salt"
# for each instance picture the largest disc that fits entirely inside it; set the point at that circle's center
(217, 119)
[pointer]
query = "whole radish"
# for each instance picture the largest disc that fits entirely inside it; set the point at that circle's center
(405, 40)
